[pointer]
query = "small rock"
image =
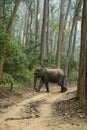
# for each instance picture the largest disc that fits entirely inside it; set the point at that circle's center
(65, 114)
(78, 124)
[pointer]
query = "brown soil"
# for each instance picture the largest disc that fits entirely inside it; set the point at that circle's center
(42, 111)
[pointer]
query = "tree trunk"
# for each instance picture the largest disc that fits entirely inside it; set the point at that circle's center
(31, 32)
(10, 23)
(27, 28)
(43, 33)
(60, 34)
(65, 20)
(1, 14)
(82, 83)
(37, 21)
(86, 73)
(69, 48)
(74, 40)
(47, 32)
(1, 67)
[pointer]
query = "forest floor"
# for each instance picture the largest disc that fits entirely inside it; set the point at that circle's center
(43, 111)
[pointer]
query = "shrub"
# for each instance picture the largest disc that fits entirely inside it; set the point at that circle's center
(16, 63)
(6, 79)
(73, 77)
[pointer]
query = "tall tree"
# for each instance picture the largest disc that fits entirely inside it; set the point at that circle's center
(75, 18)
(28, 34)
(82, 85)
(0, 9)
(27, 25)
(37, 21)
(74, 39)
(25, 28)
(66, 19)
(47, 31)
(17, 2)
(43, 32)
(60, 34)
(53, 25)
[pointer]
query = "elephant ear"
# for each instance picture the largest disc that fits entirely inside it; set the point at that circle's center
(43, 73)
(40, 72)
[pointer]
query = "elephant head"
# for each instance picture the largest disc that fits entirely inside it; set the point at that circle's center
(39, 73)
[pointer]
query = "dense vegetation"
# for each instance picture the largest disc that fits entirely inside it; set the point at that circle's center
(20, 60)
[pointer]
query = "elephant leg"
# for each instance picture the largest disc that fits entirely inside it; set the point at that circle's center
(40, 85)
(63, 88)
(47, 87)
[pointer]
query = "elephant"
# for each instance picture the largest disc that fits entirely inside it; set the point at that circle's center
(47, 75)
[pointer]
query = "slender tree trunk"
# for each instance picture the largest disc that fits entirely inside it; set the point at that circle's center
(2, 60)
(74, 40)
(28, 30)
(51, 32)
(47, 32)
(67, 12)
(1, 14)
(65, 20)
(69, 48)
(2, 5)
(31, 33)
(27, 27)
(10, 23)
(82, 84)
(43, 33)
(1, 66)
(60, 34)
(21, 29)
(37, 21)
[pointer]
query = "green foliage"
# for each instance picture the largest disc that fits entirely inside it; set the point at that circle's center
(54, 25)
(32, 54)
(62, 61)
(73, 64)
(19, 62)
(16, 62)
(6, 78)
(73, 70)
(4, 40)
(50, 60)
(6, 9)
(73, 77)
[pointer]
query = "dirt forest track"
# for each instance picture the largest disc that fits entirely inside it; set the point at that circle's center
(38, 113)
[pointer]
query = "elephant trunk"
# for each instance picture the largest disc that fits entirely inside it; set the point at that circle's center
(35, 80)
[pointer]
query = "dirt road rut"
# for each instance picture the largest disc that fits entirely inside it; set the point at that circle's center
(37, 113)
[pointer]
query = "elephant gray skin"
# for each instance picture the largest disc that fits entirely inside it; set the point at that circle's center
(49, 75)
